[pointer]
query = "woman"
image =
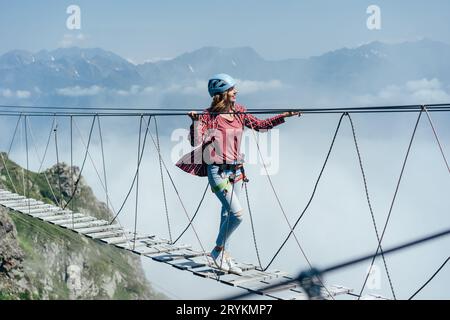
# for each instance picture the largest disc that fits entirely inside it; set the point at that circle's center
(218, 132)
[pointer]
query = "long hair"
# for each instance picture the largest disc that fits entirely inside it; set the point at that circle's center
(219, 103)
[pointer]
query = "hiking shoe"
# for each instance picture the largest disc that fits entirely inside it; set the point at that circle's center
(232, 266)
(218, 260)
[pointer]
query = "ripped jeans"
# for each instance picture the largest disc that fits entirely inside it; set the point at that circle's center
(228, 194)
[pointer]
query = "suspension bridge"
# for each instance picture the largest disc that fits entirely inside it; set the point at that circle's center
(256, 279)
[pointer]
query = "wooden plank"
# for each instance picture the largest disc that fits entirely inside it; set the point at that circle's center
(208, 272)
(162, 248)
(139, 241)
(66, 223)
(98, 229)
(258, 286)
(26, 205)
(33, 203)
(334, 290)
(126, 244)
(179, 255)
(39, 212)
(151, 250)
(36, 211)
(56, 216)
(106, 240)
(288, 294)
(30, 207)
(48, 213)
(44, 211)
(245, 266)
(14, 202)
(11, 197)
(156, 241)
(255, 275)
(106, 234)
(190, 263)
(290, 291)
(372, 296)
(88, 224)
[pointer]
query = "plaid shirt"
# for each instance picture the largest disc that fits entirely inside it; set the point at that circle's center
(193, 161)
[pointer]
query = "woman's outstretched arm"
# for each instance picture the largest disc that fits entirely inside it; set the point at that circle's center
(252, 122)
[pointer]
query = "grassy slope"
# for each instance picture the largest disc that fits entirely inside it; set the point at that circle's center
(34, 236)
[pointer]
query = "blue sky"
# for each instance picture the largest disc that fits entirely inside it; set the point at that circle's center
(142, 30)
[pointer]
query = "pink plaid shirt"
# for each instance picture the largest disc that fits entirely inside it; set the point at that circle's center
(193, 162)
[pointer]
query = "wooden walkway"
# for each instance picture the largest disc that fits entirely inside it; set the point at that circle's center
(182, 257)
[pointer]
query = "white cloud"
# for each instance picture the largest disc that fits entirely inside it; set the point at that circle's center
(7, 93)
(148, 90)
(23, 94)
(132, 61)
(249, 86)
(415, 92)
(78, 91)
(134, 89)
(20, 94)
(199, 87)
(70, 40)
(157, 59)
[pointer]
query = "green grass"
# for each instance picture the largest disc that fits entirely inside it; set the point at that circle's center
(101, 261)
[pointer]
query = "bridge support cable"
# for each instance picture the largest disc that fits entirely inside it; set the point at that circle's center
(41, 160)
(55, 132)
(103, 163)
(103, 184)
(82, 166)
(366, 189)
(179, 197)
(437, 138)
(291, 229)
(137, 182)
(23, 146)
(135, 174)
(429, 280)
(162, 180)
(129, 111)
(71, 160)
(312, 194)
(195, 214)
(9, 150)
(27, 161)
(393, 200)
(305, 277)
(253, 227)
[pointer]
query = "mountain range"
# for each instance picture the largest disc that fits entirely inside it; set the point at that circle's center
(93, 76)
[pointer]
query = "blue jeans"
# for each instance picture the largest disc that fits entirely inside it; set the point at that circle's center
(230, 216)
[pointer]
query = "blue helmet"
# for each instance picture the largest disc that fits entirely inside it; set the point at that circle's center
(220, 83)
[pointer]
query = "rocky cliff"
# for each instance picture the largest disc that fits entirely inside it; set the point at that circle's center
(42, 261)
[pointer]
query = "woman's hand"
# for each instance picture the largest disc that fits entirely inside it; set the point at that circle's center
(291, 113)
(193, 115)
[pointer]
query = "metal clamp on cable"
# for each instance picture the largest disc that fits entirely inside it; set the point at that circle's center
(310, 281)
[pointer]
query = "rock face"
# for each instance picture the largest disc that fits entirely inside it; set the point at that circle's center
(42, 261)
(11, 255)
(12, 278)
